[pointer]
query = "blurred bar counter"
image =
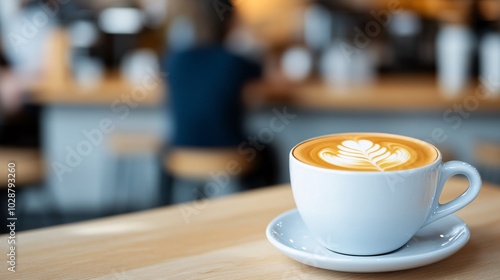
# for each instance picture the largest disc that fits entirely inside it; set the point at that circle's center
(390, 93)
(112, 88)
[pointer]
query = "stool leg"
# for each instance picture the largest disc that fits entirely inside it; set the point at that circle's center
(199, 191)
(166, 188)
(121, 183)
(3, 211)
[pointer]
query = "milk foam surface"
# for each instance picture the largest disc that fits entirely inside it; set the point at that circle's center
(366, 152)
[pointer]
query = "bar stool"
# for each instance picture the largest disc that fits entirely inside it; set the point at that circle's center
(211, 172)
(29, 165)
(29, 172)
(487, 158)
(127, 150)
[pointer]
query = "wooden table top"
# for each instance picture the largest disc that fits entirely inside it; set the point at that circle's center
(225, 239)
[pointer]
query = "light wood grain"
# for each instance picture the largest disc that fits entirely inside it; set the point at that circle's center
(225, 239)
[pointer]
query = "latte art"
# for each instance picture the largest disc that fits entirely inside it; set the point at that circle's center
(374, 152)
(364, 154)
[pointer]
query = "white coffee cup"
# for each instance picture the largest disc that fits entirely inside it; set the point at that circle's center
(371, 213)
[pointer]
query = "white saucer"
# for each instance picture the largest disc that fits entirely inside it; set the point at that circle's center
(435, 242)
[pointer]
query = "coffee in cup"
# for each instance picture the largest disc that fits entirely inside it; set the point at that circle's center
(369, 193)
(374, 152)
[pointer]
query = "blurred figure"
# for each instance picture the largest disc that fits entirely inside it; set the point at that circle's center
(18, 120)
(24, 32)
(10, 97)
(205, 84)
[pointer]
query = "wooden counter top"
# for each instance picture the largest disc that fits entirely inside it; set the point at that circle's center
(111, 89)
(225, 239)
(416, 93)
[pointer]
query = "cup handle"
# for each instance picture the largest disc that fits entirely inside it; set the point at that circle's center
(448, 170)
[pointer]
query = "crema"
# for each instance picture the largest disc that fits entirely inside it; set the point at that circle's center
(373, 152)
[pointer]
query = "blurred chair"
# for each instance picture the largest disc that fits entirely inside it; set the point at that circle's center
(201, 166)
(29, 172)
(128, 150)
(447, 153)
(487, 158)
(29, 166)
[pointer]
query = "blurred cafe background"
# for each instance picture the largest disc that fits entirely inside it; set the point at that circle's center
(108, 107)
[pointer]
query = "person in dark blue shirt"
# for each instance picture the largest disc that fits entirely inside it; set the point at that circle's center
(205, 84)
